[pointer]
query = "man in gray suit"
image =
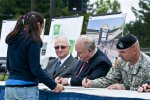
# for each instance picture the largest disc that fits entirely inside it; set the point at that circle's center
(65, 64)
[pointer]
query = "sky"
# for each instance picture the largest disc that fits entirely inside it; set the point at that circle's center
(126, 8)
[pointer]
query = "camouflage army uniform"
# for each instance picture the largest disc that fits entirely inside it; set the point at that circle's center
(132, 76)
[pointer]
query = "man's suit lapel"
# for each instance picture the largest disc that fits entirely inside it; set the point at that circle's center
(53, 67)
(80, 65)
(86, 68)
(89, 64)
(63, 66)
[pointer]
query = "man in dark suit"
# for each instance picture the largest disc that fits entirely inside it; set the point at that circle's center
(65, 64)
(93, 62)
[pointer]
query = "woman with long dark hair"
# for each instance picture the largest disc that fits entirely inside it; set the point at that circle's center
(23, 59)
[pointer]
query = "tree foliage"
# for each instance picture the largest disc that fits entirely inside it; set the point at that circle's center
(12, 9)
(105, 6)
(141, 26)
(101, 7)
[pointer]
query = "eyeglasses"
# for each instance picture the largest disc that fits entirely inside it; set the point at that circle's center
(61, 46)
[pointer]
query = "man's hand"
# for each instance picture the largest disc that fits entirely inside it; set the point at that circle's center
(58, 79)
(64, 81)
(86, 83)
(58, 88)
(144, 88)
(116, 87)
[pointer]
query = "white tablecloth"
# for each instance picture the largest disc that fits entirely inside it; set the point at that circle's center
(100, 92)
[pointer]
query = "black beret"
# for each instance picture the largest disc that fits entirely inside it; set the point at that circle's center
(126, 41)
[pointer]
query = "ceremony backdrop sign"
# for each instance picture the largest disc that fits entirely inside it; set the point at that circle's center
(65, 27)
(106, 30)
(7, 27)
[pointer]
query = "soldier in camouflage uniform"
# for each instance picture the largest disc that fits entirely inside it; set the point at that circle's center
(133, 70)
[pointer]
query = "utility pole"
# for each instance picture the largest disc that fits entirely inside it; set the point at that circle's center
(52, 9)
(32, 5)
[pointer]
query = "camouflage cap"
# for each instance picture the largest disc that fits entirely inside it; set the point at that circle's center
(126, 41)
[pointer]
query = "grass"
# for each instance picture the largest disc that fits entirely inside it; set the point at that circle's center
(1, 77)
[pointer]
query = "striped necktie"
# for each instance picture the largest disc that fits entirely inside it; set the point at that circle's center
(57, 65)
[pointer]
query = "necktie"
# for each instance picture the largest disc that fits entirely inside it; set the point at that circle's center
(83, 66)
(57, 65)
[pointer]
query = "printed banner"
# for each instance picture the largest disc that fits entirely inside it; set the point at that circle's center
(65, 27)
(106, 30)
(7, 27)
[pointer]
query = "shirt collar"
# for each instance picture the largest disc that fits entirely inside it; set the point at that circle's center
(93, 54)
(64, 59)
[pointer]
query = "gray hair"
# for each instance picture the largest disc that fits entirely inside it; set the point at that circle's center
(64, 38)
(88, 41)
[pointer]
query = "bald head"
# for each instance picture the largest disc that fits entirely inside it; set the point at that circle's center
(136, 48)
(137, 45)
(64, 40)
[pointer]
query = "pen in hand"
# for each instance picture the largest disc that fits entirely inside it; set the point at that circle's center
(86, 79)
(85, 82)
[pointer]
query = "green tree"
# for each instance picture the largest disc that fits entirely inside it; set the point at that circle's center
(100, 7)
(12, 9)
(104, 6)
(140, 27)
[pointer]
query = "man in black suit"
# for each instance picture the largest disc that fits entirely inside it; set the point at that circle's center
(93, 62)
(65, 64)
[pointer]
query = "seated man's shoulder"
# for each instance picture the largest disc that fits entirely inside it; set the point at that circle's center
(75, 60)
(145, 61)
(52, 60)
(72, 59)
(103, 58)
